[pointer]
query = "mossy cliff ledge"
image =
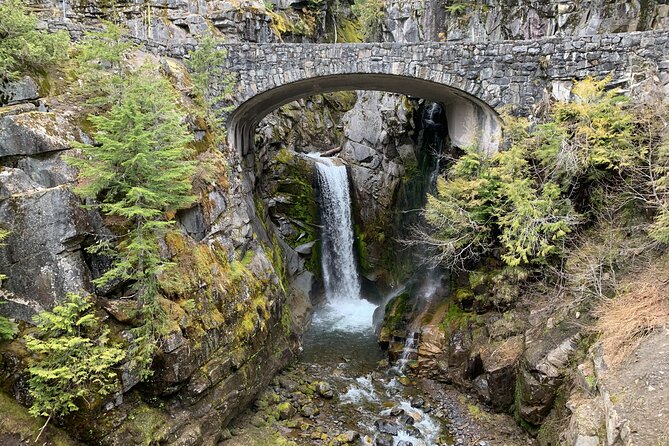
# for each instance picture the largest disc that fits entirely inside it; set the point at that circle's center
(231, 316)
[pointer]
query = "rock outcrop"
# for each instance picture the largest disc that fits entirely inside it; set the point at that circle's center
(233, 323)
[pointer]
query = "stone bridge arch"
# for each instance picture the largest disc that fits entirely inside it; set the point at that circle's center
(471, 80)
(470, 120)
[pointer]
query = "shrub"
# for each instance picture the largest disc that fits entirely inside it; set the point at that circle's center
(75, 358)
(7, 328)
(22, 46)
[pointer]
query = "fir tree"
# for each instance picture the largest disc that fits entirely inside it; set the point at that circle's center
(74, 360)
(139, 170)
(22, 47)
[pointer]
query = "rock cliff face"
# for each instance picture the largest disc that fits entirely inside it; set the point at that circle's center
(234, 314)
(481, 21)
(223, 350)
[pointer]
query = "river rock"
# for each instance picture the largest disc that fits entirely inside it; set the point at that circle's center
(325, 390)
(286, 411)
(396, 411)
(386, 427)
(347, 437)
(383, 440)
(287, 383)
(309, 411)
(406, 419)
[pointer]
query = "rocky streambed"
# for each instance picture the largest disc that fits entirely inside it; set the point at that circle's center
(343, 391)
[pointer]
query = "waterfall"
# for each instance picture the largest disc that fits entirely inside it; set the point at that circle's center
(345, 310)
(340, 274)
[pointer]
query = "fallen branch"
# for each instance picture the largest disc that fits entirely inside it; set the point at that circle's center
(331, 152)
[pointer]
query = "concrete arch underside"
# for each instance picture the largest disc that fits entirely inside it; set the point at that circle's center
(471, 122)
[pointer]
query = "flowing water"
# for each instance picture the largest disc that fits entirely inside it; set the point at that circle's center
(341, 345)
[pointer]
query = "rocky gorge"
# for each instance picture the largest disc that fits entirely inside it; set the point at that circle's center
(487, 356)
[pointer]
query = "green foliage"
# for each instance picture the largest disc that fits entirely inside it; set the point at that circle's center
(7, 327)
(74, 361)
(22, 47)
(370, 14)
(99, 64)
(521, 201)
(599, 132)
(491, 202)
(211, 84)
(456, 8)
(139, 171)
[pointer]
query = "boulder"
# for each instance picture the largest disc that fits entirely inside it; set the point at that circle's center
(43, 256)
(37, 132)
(542, 370)
(21, 90)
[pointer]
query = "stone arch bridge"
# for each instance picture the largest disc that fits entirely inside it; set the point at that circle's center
(471, 80)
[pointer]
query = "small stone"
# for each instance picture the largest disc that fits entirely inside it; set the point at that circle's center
(324, 389)
(406, 419)
(309, 411)
(347, 437)
(383, 440)
(417, 402)
(386, 427)
(287, 383)
(286, 411)
(396, 411)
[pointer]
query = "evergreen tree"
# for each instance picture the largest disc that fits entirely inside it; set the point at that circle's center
(139, 170)
(99, 64)
(74, 360)
(211, 85)
(22, 47)
(7, 328)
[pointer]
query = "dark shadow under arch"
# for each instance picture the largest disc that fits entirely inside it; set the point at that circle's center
(472, 122)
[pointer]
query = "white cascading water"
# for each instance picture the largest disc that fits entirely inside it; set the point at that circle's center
(343, 327)
(345, 310)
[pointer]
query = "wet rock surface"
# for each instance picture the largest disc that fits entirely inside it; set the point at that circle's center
(373, 403)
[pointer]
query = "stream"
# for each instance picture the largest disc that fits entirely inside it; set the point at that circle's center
(342, 390)
(376, 401)
(340, 345)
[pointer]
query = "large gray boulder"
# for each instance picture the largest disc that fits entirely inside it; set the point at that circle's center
(43, 256)
(542, 370)
(37, 132)
(24, 89)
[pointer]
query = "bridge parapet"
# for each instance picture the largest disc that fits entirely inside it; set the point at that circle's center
(472, 80)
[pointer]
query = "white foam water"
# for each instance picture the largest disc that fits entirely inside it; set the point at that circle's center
(362, 390)
(345, 309)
